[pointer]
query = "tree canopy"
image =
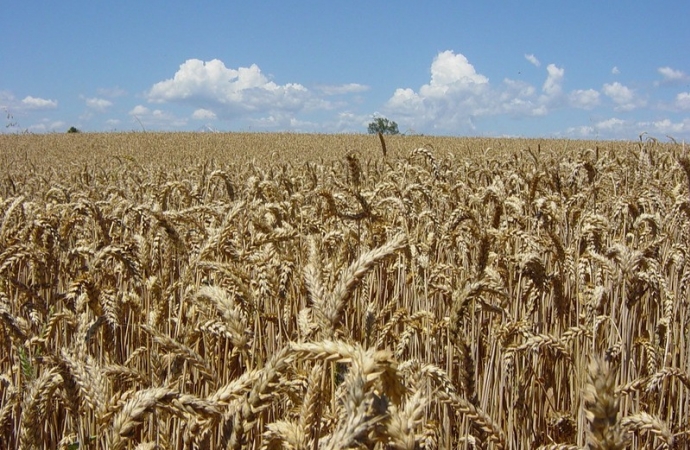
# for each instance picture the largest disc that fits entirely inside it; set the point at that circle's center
(383, 126)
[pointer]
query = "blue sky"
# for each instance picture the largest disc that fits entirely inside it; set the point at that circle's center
(574, 69)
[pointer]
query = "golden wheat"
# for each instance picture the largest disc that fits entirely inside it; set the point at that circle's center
(313, 291)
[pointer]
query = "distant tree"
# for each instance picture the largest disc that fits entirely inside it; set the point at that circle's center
(10, 119)
(73, 130)
(383, 126)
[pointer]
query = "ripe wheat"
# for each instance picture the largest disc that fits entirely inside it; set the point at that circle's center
(303, 291)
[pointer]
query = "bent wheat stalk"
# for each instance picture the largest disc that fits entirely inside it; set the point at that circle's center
(330, 311)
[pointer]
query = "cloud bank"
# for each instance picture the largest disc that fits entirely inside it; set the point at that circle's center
(457, 94)
(37, 103)
(231, 92)
(456, 98)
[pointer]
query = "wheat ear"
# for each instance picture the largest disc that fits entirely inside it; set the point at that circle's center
(644, 423)
(335, 303)
(34, 407)
(132, 414)
(601, 408)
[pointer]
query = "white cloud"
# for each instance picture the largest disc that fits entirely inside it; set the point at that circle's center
(612, 128)
(553, 85)
(36, 103)
(584, 99)
(615, 70)
(532, 59)
(540, 110)
(666, 126)
(615, 128)
(524, 102)
(610, 124)
(582, 131)
(457, 95)
(341, 122)
(618, 93)
(683, 100)
(98, 104)
(455, 92)
(158, 118)
(672, 76)
(451, 72)
(624, 97)
(203, 114)
(516, 98)
(350, 88)
(139, 110)
(47, 125)
(406, 100)
(516, 88)
(279, 121)
(349, 121)
(231, 91)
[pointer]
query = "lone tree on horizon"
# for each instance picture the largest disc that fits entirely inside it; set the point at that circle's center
(383, 126)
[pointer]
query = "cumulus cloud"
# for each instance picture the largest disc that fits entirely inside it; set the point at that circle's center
(36, 103)
(665, 126)
(458, 98)
(213, 86)
(610, 124)
(281, 120)
(203, 114)
(584, 98)
(350, 121)
(158, 118)
(452, 96)
(615, 70)
(341, 89)
(618, 93)
(615, 128)
(515, 88)
(457, 95)
(582, 131)
(672, 76)
(139, 110)
(47, 125)
(406, 101)
(624, 97)
(98, 104)
(451, 72)
(683, 100)
(532, 59)
(612, 128)
(553, 85)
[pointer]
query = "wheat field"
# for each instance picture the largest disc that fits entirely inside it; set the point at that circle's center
(287, 291)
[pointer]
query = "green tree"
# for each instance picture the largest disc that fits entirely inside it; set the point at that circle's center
(10, 120)
(383, 126)
(73, 130)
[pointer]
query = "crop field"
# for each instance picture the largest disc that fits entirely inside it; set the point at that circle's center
(287, 291)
